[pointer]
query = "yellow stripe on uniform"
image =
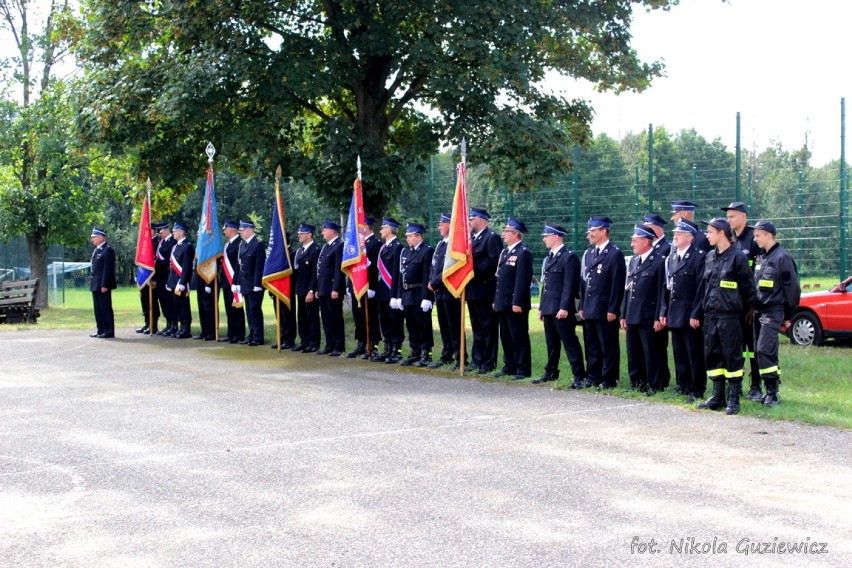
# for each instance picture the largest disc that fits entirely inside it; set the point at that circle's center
(766, 283)
(715, 373)
(767, 370)
(748, 354)
(733, 374)
(728, 284)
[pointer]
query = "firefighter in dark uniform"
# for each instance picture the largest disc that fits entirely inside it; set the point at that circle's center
(369, 308)
(449, 307)
(102, 285)
(251, 258)
(411, 290)
(602, 289)
(235, 315)
(640, 311)
(661, 247)
(330, 290)
(287, 328)
(682, 311)
(737, 216)
(778, 294)
(486, 247)
(682, 209)
(162, 256)
(181, 265)
(150, 289)
(305, 269)
(206, 304)
(390, 317)
(560, 288)
(728, 293)
(512, 301)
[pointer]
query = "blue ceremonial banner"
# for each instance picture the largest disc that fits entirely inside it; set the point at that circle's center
(209, 247)
(277, 270)
(354, 262)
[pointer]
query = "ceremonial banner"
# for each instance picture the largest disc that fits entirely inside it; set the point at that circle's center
(355, 262)
(278, 269)
(209, 247)
(458, 264)
(144, 247)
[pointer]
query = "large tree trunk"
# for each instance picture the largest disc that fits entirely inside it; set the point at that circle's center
(37, 244)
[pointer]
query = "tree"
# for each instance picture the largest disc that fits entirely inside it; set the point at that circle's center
(313, 84)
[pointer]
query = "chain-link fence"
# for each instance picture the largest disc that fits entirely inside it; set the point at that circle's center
(15, 265)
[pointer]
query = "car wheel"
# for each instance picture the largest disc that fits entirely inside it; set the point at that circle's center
(805, 329)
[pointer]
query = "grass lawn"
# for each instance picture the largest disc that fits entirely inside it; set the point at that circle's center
(816, 386)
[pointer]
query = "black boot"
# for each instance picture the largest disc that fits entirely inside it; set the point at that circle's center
(771, 398)
(734, 390)
(184, 331)
(754, 393)
(425, 359)
(412, 358)
(142, 329)
(359, 349)
(395, 355)
(717, 399)
(168, 330)
(380, 357)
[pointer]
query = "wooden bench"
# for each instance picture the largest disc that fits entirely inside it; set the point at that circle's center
(17, 301)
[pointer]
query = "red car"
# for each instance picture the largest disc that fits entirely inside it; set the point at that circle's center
(821, 315)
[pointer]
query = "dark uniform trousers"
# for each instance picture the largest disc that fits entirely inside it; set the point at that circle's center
(766, 343)
(640, 309)
(603, 289)
(688, 351)
(252, 257)
(560, 289)
(392, 324)
(391, 321)
(331, 279)
(165, 298)
(148, 296)
(723, 347)
(362, 310)
(254, 314)
(449, 324)
(331, 312)
(103, 276)
(184, 254)
(514, 275)
(307, 313)
(206, 306)
(484, 323)
(411, 286)
(308, 322)
(236, 317)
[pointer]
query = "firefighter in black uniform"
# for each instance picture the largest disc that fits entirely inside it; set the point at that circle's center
(737, 215)
(778, 295)
(661, 247)
(512, 301)
(369, 308)
(183, 254)
(162, 256)
(252, 257)
(682, 209)
(330, 290)
(305, 269)
(449, 307)
(479, 293)
(641, 310)
(411, 290)
(602, 289)
(727, 290)
(390, 317)
(682, 311)
(235, 315)
(560, 289)
(150, 288)
(205, 303)
(102, 285)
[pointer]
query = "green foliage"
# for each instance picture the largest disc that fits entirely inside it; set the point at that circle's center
(312, 85)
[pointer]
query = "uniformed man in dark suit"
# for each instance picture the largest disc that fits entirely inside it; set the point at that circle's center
(102, 285)
(486, 248)
(449, 307)
(682, 209)
(661, 247)
(251, 259)
(512, 301)
(368, 308)
(560, 289)
(411, 291)
(148, 294)
(602, 289)
(737, 215)
(305, 269)
(183, 253)
(390, 318)
(235, 314)
(162, 256)
(330, 289)
(640, 311)
(206, 304)
(682, 311)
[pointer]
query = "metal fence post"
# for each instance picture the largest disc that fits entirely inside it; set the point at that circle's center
(650, 169)
(844, 206)
(738, 182)
(575, 191)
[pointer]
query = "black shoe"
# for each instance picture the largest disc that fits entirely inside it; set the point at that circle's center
(275, 346)
(335, 353)
(96, 334)
(545, 378)
(755, 395)
(255, 343)
(106, 336)
(244, 341)
(235, 340)
(210, 338)
(297, 347)
(224, 339)
(691, 398)
(182, 335)
(142, 329)
(360, 348)
(579, 383)
(198, 337)
(439, 363)
(650, 391)
(425, 361)
(325, 351)
(520, 377)
(309, 349)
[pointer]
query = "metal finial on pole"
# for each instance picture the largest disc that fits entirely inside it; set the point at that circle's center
(358, 162)
(464, 150)
(210, 151)
(278, 173)
(148, 188)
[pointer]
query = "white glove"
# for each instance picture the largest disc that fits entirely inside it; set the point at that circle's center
(394, 303)
(425, 305)
(257, 289)
(181, 287)
(208, 289)
(235, 288)
(399, 305)
(371, 293)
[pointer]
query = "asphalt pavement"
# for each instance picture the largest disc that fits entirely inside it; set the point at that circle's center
(138, 452)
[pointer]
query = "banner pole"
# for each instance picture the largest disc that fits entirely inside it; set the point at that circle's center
(278, 321)
(216, 303)
(462, 348)
(150, 309)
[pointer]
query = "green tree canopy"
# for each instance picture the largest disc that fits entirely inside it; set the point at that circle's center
(313, 84)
